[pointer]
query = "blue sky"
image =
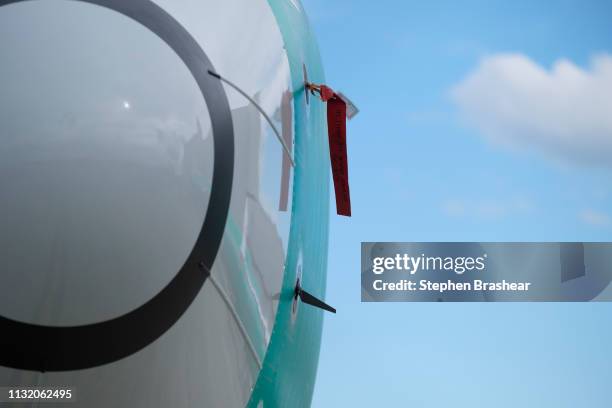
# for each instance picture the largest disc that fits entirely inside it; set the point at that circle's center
(435, 155)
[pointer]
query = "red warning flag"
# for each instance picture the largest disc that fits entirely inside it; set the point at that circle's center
(336, 128)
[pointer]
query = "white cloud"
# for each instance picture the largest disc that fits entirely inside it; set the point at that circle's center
(565, 111)
(595, 218)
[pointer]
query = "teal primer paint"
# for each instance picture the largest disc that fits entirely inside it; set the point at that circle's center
(289, 368)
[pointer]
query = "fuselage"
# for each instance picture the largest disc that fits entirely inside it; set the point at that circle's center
(153, 226)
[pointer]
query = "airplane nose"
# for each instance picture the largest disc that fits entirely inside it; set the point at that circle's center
(113, 193)
(106, 157)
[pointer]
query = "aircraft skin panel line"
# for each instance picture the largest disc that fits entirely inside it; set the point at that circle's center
(239, 323)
